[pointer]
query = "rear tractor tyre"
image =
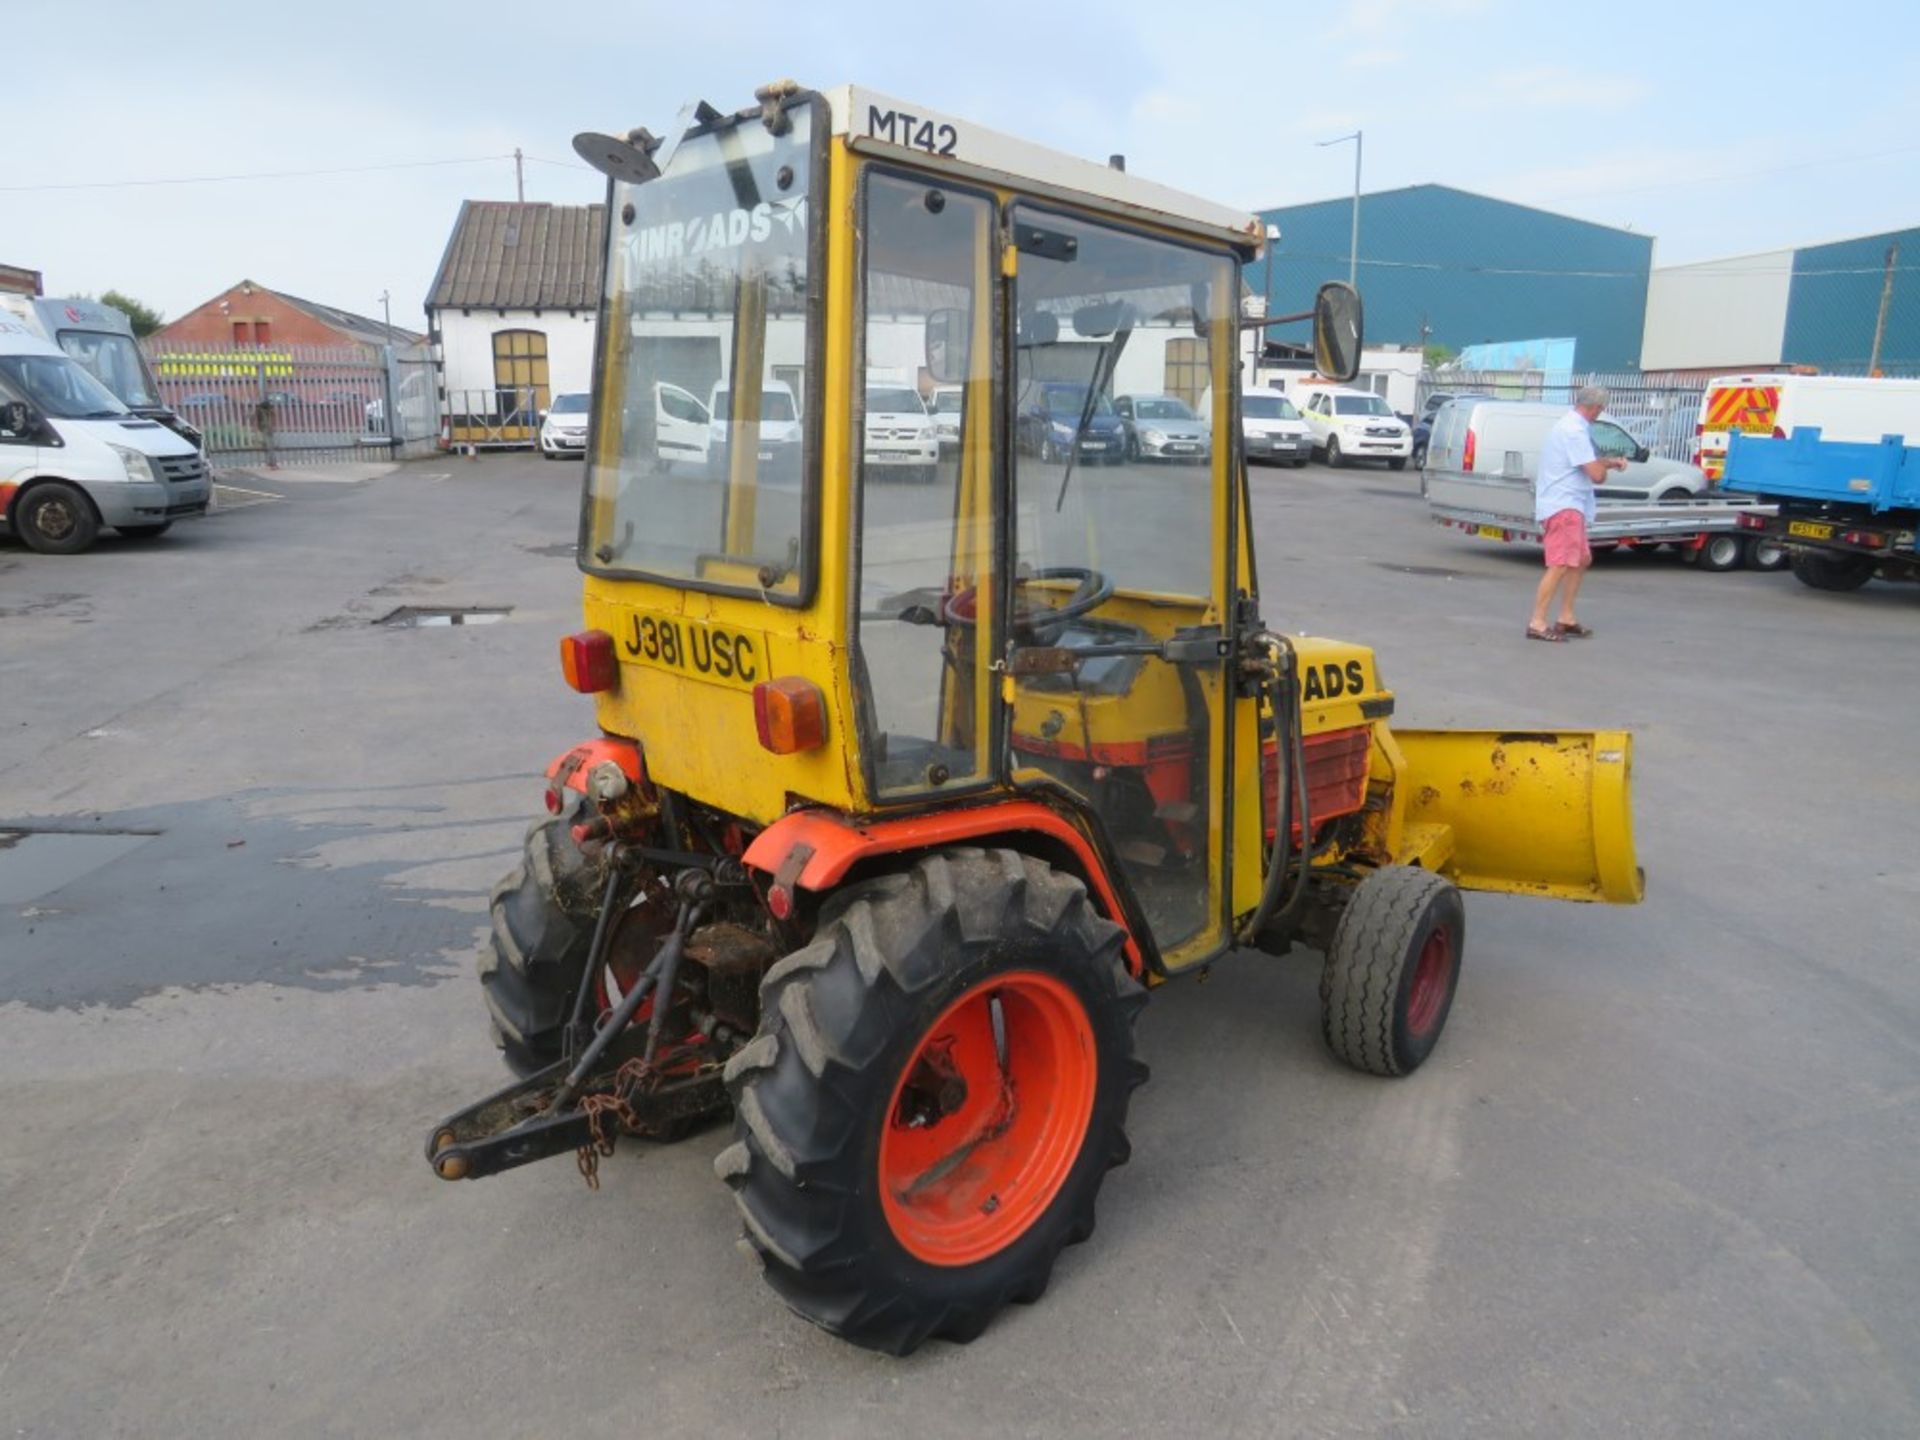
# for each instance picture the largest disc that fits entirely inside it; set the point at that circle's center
(1392, 970)
(937, 1090)
(1764, 553)
(1830, 572)
(542, 917)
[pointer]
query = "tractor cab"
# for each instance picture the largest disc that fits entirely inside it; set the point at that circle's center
(798, 623)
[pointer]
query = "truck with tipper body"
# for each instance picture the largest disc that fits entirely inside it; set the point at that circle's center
(1845, 511)
(74, 460)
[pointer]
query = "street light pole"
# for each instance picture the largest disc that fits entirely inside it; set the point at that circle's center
(1353, 253)
(386, 308)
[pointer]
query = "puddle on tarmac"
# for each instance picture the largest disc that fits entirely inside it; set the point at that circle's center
(415, 617)
(38, 862)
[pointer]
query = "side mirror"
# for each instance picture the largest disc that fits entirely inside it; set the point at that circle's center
(948, 339)
(1337, 331)
(1640, 454)
(17, 418)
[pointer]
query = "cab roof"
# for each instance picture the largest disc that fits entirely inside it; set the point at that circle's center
(878, 124)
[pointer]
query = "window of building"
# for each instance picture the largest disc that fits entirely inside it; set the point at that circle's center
(520, 374)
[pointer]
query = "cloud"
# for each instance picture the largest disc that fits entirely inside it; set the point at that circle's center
(1553, 87)
(1379, 58)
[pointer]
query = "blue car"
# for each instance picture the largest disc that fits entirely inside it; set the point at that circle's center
(1050, 415)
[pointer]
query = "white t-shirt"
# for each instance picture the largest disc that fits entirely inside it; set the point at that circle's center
(1563, 485)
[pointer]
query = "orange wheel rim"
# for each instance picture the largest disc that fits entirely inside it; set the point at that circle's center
(988, 1118)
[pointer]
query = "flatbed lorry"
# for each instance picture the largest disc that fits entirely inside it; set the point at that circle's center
(1846, 512)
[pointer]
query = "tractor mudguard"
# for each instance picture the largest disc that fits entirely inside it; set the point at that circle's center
(814, 849)
(1544, 813)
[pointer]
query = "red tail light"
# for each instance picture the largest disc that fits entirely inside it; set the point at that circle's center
(1466, 451)
(1865, 539)
(1751, 522)
(588, 661)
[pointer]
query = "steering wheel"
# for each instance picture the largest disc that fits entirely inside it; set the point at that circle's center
(1041, 627)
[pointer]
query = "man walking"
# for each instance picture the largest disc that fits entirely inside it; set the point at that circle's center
(1563, 504)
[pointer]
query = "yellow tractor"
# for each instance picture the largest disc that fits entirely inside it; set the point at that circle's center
(905, 795)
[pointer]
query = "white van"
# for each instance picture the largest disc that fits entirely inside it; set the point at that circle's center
(1354, 425)
(1853, 408)
(1485, 454)
(779, 432)
(73, 459)
(1272, 429)
(101, 338)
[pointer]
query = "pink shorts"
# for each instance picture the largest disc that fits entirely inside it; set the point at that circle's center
(1566, 537)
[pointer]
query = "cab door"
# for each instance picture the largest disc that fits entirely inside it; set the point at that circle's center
(1116, 596)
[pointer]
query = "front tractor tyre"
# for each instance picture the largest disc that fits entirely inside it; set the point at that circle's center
(542, 918)
(936, 1092)
(1392, 969)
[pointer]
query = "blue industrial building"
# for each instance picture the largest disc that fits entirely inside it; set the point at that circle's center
(1833, 304)
(1448, 267)
(1816, 305)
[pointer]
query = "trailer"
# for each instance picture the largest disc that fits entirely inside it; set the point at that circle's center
(1844, 512)
(1712, 531)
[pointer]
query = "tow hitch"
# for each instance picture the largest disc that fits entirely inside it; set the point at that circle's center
(622, 1081)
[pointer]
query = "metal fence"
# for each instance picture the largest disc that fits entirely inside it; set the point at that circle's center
(302, 404)
(1660, 411)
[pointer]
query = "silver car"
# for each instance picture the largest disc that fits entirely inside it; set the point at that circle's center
(1163, 427)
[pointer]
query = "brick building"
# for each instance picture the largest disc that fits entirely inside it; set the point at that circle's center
(251, 314)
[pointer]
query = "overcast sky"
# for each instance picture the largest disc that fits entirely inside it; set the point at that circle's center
(1720, 130)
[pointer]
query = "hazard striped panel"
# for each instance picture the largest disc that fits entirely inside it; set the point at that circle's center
(1746, 408)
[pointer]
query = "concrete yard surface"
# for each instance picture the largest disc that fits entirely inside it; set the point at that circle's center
(1659, 1177)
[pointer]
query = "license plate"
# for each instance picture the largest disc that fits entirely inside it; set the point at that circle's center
(1491, 532)
(719, 654)
(1810, 530)
(766, 454)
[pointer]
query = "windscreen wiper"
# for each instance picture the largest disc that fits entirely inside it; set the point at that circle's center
(1103, 369)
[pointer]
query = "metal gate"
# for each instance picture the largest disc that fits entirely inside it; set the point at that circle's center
(302, 404)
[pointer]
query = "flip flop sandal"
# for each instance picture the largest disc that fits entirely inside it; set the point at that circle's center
(1550, 633)
(1575, 632)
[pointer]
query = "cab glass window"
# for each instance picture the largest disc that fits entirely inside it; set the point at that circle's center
(925, 486)
(707, 303)
(1117, 555)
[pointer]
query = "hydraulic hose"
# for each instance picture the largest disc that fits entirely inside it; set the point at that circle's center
(1290, 798)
